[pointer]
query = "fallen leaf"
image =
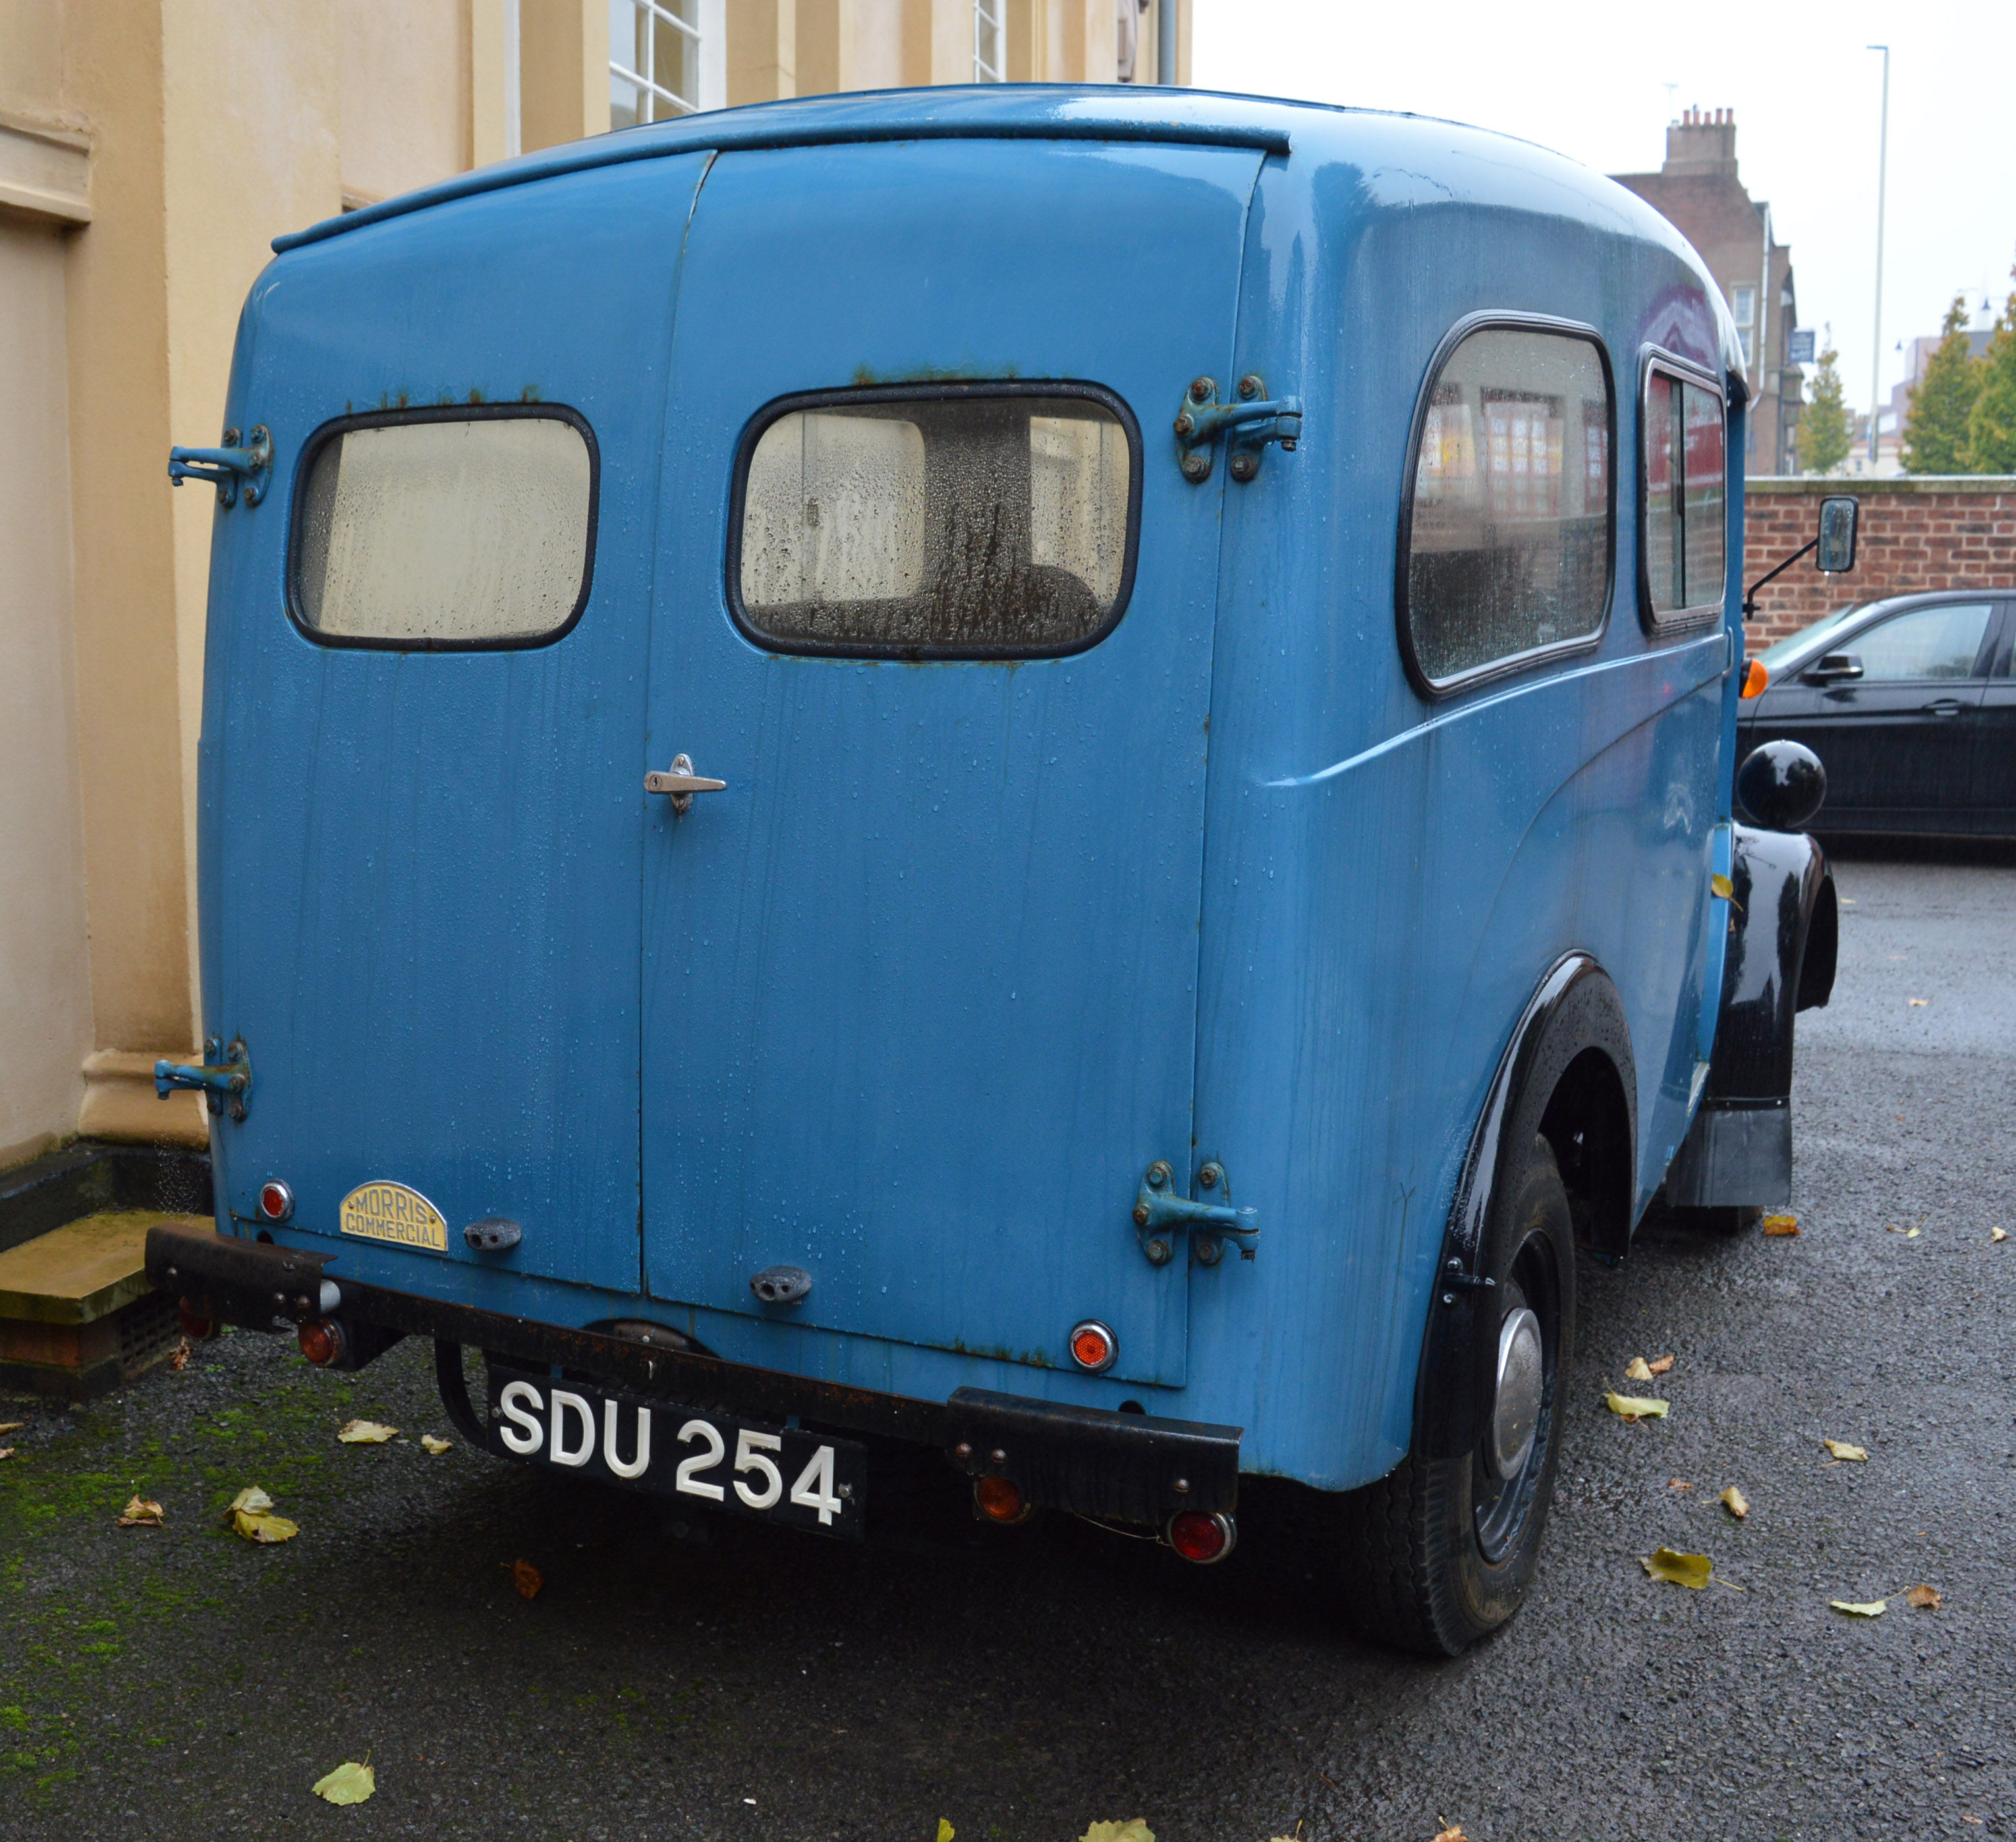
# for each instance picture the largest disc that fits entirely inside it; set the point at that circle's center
(1781, 1224)
(1634, 1407)
(6, 1451)
(349, 1783)
(1736, 1502)
(1873, 1608)
(1676, 1483)
(436, 1447)
(527, 1578)
(141, 1513)
(1994, 1234)
(258, 1525)
(1910, 1234)
(1842, 1449)
(1924, 1599)
(1682, 1570)
(1134, 1830)
(946, 1832)
(178, 1357)
(1920, 1002)
(1638, 1369)
(12, 1425)
(1453, 1833)
(1660, 1365)
(366, 1433)
(251, 1499)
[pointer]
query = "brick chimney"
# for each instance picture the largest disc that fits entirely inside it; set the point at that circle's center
(1701, 141)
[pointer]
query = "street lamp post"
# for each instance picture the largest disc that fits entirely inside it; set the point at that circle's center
(1882, 171)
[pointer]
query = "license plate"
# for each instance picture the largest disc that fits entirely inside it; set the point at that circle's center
(702, 1458)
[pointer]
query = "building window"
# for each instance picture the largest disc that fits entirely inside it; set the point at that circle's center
(654, 60)
(990, 62)
(1685, 530)
(1507, 527)
(1744, 304)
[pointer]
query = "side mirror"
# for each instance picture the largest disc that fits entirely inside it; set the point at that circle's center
(1781, 786)
(1830, 665)
(1839, 516)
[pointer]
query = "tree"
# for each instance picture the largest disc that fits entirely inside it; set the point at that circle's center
(1935, 426)
(1991, 429)
(1823, 427)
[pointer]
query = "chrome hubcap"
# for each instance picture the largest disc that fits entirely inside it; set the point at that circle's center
(1515, 1413)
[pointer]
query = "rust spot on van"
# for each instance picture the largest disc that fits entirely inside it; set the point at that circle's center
(865, 378)
(529, 394)
(476, 397)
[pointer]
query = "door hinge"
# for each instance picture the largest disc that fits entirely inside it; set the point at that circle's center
(1247, 426)
(224, 1079)
(1161, 1215)
(224, 467)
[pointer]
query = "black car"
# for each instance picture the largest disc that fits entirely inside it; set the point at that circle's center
(1911, 707)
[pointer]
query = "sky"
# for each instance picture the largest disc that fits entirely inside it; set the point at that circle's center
(1599, 82)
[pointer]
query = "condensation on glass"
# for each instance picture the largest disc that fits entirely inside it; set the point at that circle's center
(1686, 515)
(445, 533)
(978, 526)
(1511, 531)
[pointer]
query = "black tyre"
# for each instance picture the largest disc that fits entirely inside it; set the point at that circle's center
(1441, 1551)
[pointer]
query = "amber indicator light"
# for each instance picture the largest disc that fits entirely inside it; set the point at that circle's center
(1092, 1346)
(999, 1500)
(321, 1342)
(1755, 679)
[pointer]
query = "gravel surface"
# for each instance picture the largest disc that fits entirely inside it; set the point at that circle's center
(1021, 1684)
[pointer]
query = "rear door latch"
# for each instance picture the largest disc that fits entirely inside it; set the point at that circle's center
(1247, 425)
(1161, 1215)
(224, 467)
(224, 1079)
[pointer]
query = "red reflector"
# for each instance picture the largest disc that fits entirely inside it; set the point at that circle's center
(1198, 1535)
(1093, 1345)
(276, 1201)
(999, 1501)
(194, 1326)
(321, 1342)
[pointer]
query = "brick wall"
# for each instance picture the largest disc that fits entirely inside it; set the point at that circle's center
(1935, 532)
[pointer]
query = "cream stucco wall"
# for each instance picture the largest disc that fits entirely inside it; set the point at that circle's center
(44, 973)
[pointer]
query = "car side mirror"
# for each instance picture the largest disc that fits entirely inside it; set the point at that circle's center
(1839, 516)
(1781, 784)
(1830, 665)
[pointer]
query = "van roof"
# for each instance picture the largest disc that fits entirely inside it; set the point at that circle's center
(977, 111)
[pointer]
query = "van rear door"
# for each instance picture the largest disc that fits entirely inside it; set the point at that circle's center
(920, 982)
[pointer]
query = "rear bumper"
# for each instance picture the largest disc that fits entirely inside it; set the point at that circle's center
(1120, 1466)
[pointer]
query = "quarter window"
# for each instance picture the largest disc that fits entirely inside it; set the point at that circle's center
(1686, 527)
(437, 530)
(1509, 529)
(989, 524)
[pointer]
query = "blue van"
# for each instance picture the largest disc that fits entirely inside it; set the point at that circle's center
(1046, 771)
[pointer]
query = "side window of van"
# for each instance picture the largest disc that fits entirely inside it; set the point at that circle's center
(979, 522)
(445, 529)
(1685, 536)
(1509, 526)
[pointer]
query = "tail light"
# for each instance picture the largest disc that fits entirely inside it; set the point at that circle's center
(322, 1342)
(999, 1500)
(1202, 1535)
(276, 1200)
(195, 1327)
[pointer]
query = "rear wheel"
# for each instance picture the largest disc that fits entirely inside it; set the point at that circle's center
(1441, 1551)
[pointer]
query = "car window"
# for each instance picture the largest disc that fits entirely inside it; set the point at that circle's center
(1938, 641)
(440, 531)
(985, 525)
(1685, 521)
(1795, 645)
(1509, 524)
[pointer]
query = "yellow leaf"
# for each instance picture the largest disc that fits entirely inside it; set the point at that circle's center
(1134, 1830)
(1842, 1449)
(349, 1783)
(1660, 1365)
(251, 1499)
(1452, 1833)
(1637, 1369)
(12, 1425)
(1873, 1608)
(527, 1578)
(1920, 1003)
(435, 1446)
(1736, 1502)
(1781, 1224)
(6, 1451)
(1634, 1407)
(1682, 1570)
(257, 1525)
(946, 1832)
(141, 1513)
(366, 1433)
(1723, 886)
(1924, 1599)
(1994, 1234)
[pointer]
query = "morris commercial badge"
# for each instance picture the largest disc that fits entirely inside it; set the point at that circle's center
(391, 1212)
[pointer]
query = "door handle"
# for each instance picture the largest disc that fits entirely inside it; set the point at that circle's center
(1941, 706)
(681, 783)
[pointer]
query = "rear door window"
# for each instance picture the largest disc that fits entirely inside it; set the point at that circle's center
(448, 530)
(1507, 529)
(987, 523)
(1684, 532)
(1940, 641)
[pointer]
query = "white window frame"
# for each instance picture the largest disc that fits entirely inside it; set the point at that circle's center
(990, 42)
(708, 38)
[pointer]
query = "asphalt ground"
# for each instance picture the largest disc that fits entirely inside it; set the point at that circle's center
(158, 1682)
